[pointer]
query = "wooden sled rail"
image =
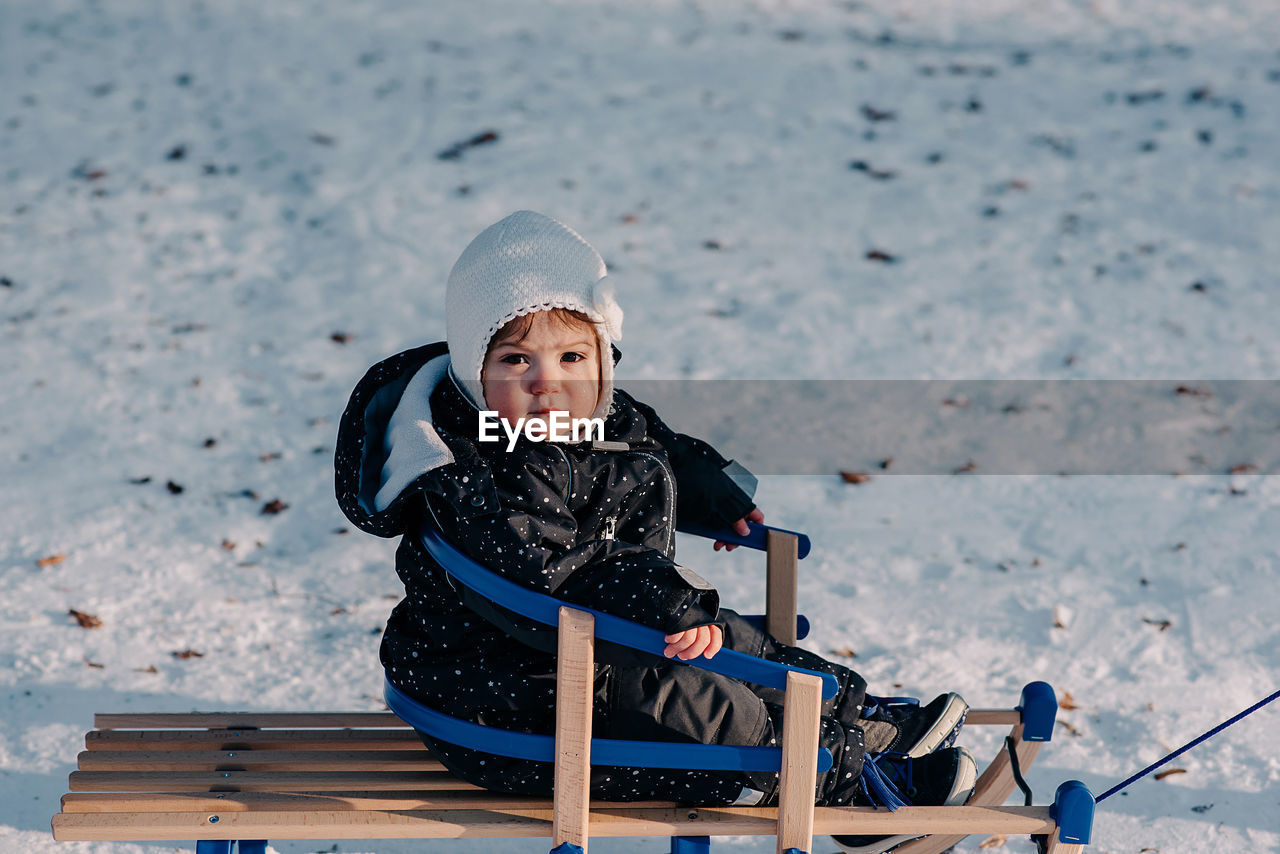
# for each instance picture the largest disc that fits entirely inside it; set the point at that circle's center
(228, 779)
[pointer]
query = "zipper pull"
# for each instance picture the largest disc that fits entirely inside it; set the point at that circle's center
(608, 527)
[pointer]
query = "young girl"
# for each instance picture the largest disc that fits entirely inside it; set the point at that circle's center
(531, 323)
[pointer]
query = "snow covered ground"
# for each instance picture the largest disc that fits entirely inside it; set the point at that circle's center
(214, 216)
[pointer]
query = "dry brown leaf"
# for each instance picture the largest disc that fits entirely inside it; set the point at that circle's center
(228, 545)
(845, 651)
(273, 507)
(1169, 772)
(855, 477)
(1069, 728)
(51, 560)
(148, 669)
(88, 621)
(1243, 468)
(95, 665)
(1162, 625)
(996, 841)
(1067, 702)
(188, 653)
(336, 611)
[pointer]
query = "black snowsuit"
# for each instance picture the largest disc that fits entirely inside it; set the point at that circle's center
(591, 527)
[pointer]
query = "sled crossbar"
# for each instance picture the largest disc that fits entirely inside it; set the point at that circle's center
(232, 780)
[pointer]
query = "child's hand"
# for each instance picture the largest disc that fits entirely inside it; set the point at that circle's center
(740, 526)
(692, 643)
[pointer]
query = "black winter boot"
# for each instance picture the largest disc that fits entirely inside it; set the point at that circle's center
(944, 778)
(901, 725)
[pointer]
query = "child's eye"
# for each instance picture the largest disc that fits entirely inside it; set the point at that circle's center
(512, 358)
(573, 357)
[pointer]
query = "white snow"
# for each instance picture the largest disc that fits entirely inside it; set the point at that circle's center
(149, 304)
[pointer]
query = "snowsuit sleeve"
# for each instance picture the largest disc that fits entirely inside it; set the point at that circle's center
(513, 517)
(708, 495)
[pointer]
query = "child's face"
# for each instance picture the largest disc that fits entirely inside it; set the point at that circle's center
(555, 367)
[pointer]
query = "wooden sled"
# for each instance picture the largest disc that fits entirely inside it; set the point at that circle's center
(241, 778)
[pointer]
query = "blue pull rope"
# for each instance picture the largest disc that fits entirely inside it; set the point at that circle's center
(1181, 750)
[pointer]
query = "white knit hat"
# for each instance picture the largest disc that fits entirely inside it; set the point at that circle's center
(527, 262)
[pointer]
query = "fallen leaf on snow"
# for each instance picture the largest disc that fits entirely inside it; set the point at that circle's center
(1162, 625)
(188, 653)
(1067, 702)
(1069, 728)
(855, 477)
(148, 669)
(95, 665)
(51, 560)
(88, 621)
(273, 507)
(845, 651)
(1169, 772)
(996, 841)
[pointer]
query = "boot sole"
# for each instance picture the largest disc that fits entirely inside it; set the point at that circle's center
(944, 731)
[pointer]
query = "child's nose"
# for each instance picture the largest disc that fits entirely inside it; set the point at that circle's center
(545, 379)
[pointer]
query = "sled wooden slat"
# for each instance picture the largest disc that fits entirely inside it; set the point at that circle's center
(247, 720)
(254, 739)
(615, 820)
(796, 784)
(92, 802)
(781, 584)
(259, 760)
(575, 675)
(990, 717)
(261, 781)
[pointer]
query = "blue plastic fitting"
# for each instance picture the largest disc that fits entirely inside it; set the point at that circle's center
(1039, 709)
(1073, 811)
(691, 845)
(214, 846)
(567, 848)
(758, 538)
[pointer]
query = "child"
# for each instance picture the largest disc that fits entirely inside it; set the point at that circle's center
(531, 323)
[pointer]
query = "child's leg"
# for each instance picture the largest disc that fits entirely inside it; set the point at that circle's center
(674, 702)
(848, 702)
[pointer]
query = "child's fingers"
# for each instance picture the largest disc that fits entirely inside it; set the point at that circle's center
(717, 642)
(702, 639)
(679, 642)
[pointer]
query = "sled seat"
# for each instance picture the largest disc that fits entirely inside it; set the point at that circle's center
(241, 778)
